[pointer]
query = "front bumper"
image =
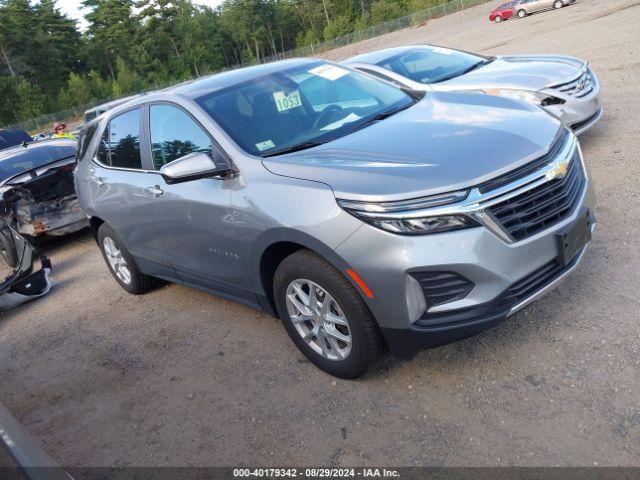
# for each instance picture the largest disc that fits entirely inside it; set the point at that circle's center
(406, 343)
(499, 270)
(578, 113)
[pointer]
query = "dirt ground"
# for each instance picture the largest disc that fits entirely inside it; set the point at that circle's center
(179, 377)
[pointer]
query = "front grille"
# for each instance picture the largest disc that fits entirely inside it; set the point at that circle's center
(542, 206)
(529, 168)
(443, 287)
(580, 87)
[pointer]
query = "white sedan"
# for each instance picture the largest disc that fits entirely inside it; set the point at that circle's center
(564, 86)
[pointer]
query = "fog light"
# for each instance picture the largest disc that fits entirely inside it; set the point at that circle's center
(416, 304)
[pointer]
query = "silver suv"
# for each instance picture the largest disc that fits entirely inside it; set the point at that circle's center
(363, 217)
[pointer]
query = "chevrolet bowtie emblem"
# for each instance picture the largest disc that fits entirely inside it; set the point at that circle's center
(558, 170)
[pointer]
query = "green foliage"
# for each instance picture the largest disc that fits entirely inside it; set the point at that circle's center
(77, 92)
(47, 64)
(31, 100)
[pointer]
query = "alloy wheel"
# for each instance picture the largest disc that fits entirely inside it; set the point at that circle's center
(116, 260)
(318, 319)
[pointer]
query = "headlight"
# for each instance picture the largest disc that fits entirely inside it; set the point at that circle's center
(402, 217)
(423, 226)
(536, 98)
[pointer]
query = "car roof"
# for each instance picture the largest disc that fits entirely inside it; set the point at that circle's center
(35, 146)
(378, 56)
(196, 88)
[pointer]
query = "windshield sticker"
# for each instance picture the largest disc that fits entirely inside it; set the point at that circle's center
(287, 102)
(265, 145)
(330, 72)
(352, 117)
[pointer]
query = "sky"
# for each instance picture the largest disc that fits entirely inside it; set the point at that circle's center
(74, 9)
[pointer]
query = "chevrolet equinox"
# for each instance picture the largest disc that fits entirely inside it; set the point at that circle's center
(365, 217)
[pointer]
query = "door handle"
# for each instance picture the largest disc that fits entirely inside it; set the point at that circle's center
(156, 191)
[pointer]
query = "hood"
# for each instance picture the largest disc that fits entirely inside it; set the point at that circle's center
(523, 72)
(447, 141)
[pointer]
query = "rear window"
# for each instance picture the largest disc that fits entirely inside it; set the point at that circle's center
(120, 143)
(33, 157)
(85, 139)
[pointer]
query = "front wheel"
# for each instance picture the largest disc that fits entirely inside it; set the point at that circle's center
(522, 13)
(498, 19)
(325, 316)
(558, 4)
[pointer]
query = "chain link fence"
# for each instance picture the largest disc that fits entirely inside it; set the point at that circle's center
(416, 18)
(407, 21)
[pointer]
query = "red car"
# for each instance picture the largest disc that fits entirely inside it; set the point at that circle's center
(503, 12)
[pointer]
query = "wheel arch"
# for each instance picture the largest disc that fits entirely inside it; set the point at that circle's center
(94, 225)
(276, 245)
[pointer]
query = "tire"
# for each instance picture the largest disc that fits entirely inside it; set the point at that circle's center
(522, 13)
(558, 4)
(498, 19)
(123, 269)
(343, 304)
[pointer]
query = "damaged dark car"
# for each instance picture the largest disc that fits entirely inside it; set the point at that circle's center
(38, 197)
(19, 283)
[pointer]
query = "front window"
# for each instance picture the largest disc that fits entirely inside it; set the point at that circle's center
(434, 64)
(174, 134)
(301, 107)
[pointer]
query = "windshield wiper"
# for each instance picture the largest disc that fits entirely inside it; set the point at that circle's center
(381, 116)
(479, 64)
(293, 148)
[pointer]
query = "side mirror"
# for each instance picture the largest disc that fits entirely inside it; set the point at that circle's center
(194, 166)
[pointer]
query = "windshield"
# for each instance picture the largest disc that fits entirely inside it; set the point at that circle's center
(433, 64)
(33, 157)
(301, 107)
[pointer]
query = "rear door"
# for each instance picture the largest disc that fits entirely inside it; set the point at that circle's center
(536, 5)
(119, 180)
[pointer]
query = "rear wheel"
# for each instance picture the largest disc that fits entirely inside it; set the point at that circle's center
(121, 263)
(558, 4)
(498, 19)
(522, 13)
(325, 316)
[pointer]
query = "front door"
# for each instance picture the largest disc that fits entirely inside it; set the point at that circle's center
(193, 219)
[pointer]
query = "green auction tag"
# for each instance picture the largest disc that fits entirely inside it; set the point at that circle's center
(287, 102)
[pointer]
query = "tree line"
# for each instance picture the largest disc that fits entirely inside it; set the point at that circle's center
(47, 64)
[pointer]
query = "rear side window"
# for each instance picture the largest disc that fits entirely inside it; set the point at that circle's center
(174, 134)
(124, 140)
(85, 140)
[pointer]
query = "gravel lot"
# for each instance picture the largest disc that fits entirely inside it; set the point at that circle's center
(179, 377)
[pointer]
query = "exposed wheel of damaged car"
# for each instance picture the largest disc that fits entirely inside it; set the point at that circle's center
(365, 217)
